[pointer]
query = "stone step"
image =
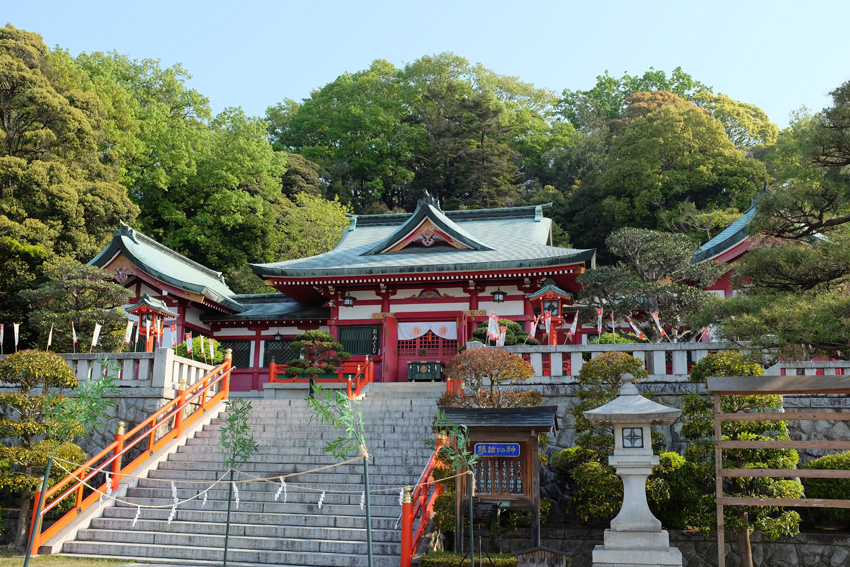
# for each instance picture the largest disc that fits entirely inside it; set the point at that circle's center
(398, 444)
(293, 495)
(247, 530)
(196, 461)
(191, 516)
(272, 507)
(297, 455)
(257, 543)
(331, 481)
(195, 554)
(317, 432)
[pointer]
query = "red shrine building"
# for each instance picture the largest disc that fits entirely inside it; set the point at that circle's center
(398, 288)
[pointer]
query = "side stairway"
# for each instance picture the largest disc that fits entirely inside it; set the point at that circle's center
(397, 421)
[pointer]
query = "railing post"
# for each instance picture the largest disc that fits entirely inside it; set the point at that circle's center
(272, 372)
(228, 358)
(407, 527)
(78, 503)
(178, 417)
(116, 454)
(348, 390)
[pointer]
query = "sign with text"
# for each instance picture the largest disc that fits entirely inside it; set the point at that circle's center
(497, 449)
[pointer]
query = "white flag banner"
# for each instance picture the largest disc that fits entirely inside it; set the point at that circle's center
(50, 337)
(657, 322)
(634, 328)
(128, 334)
(547, 321)
(599, 321)
(96, 334)
(574, 326)
(501, 341)
(493, 326)
(73, 333)
(409, 331)
(212, 350)
(17, 327)
(203, 351)
(2, 332)
(173, 335)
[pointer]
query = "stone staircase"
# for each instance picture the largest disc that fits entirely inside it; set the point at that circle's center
(264, 531)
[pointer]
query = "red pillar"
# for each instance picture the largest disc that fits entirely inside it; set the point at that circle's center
(407, 527)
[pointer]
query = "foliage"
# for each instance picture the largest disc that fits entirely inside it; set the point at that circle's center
(609, 339)
(746, 124)
(514, 333)
(320, 354)
(448, 559)
(455, 452)
(499, 366)
(237, 442)
(81, 295)
(830, 488)
(832, 140)
(60, 197)
(698, 428)
(181, 350)
(654, 275)
(673, 155)
(337, 409)
(444, 510)
(485, 398)
(605, 100)
(308, 226)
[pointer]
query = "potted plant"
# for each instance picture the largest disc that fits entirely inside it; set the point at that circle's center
(320, 356)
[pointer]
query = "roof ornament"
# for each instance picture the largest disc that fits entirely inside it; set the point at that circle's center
(353, 223)
(429, 199)
(126, 230)
(538, 213)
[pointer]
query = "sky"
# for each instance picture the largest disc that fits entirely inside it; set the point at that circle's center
(778, 55)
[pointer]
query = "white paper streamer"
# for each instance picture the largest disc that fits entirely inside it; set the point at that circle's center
(174, 493)
(108, 486)
(172, 514)
(236, 492)
(400, 496)
(321, 499)
(281, 488)
(136, 517)
(204, 503)
(363, 500)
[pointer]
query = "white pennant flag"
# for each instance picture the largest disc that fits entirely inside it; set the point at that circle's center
(657, 322)
(547, 320)
(599, 321)
(173, 335)
(501, 341)
(2, 332)
(17, 326)
(634, 328)
(212, 350)
(96, 334)
(50, 337)
(129, 333)
(493, 326)
(73, 333)
(574, 326)
(204, 354)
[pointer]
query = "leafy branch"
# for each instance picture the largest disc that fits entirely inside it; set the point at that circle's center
(237, 443)
(337, 409)
(455, 450)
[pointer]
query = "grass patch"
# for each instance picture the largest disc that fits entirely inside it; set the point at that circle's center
(16, 559)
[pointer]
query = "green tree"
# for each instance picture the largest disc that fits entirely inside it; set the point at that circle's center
(514, 334)
(698, 428)
(320, 354)
(503, 369)
(59, 190)
(79, 295)
(655, 275)
(27, 420)
(673, 155)
(605, 100)
(746, 124)
(308, 226)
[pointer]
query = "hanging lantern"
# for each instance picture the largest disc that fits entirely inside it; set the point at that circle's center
(498, 295)
(348, 300)
(278, 336)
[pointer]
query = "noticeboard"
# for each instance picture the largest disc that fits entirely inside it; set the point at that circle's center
(497, 449)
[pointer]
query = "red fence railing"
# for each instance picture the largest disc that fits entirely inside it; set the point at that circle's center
(168, 423)
(357, 374)
(419, 502)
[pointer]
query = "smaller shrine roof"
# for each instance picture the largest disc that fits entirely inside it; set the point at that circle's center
(549, 287)
(166, 265)
(270, 306)
(543, 417)
(157, 305)
(732, 235)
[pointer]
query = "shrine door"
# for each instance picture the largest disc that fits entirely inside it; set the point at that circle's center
(428, 347)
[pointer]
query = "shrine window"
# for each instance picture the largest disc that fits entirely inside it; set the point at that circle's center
(281, 351)
(241, 351)
(361, 340)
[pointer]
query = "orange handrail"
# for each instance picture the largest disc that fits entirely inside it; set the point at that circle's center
(420, 505)
(356, 374)
(125, 442)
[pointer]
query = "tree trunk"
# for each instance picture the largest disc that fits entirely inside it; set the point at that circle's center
(744, 548)
(23, 520)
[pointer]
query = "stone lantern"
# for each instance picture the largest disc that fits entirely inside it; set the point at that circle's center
(635, 537)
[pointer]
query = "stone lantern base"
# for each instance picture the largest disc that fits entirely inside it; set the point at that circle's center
(636, 549)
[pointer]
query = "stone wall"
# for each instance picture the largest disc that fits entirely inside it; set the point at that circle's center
(804, 550)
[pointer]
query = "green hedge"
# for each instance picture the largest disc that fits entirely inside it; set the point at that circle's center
(447, 559)
(830, 488)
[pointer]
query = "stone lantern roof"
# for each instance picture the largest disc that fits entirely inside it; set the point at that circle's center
(631, 407)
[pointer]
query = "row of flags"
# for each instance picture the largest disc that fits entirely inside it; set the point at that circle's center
(17, 327)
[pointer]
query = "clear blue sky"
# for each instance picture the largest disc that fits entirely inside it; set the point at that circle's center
(777, 54)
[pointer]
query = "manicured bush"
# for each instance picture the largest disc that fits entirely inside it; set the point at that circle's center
(447, 559)
(831, 488)
(608, 339)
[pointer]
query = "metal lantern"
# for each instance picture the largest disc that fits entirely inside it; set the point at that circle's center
(348, 300)
(498, 295)
(278, 336)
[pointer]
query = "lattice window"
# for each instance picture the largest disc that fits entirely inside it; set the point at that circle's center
(241, 353)
(407, 348)
(281, 351)
(361, 340)
(431, 344)
(449, 347)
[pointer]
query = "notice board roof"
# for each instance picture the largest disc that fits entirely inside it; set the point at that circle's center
(544, 417)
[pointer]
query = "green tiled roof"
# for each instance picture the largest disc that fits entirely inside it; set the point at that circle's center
(729, 237)
(271, 306)
(167, 266)
(515, 238)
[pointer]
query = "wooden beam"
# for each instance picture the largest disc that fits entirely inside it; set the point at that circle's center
(802, 502)
(783, 473)
(786, 416)
(783, 444)
(762, 385)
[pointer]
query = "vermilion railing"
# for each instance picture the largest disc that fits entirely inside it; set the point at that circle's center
(419, 503)
(357, 374)
(160, 423)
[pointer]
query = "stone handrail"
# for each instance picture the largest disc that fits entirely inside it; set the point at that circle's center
(567, 360)
(159, 369)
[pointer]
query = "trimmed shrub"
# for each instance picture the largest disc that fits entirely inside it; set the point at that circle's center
(831, 488)
(448, 559)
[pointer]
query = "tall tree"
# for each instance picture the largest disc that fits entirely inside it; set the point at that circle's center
(59, 190)
(746, 124)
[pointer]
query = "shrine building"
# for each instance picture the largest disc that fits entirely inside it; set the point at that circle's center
(398, 287)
